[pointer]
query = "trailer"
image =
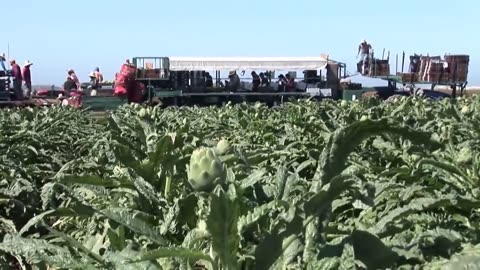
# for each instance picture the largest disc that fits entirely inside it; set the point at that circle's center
(178, 81)
(451, 71)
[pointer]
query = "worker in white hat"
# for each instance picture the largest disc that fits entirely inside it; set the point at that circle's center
(94, 83)
(234, 83)
(364, 52)
(27, 78)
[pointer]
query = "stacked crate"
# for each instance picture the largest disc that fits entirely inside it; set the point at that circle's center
(436, 72)
(152, 73)
(458, 67)
(380, 68)
(408, 77)
(149, 73)
(453, 68)
(425, 66)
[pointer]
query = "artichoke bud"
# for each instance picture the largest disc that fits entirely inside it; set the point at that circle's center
(465, 155)
(222, 147)
(142, 113)
(205, 170)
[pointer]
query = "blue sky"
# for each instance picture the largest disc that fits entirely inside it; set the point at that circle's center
(57, 35)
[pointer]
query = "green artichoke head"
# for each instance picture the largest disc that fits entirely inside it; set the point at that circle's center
(142, 112)
(222, 147)
(205, 170)
(465, 155)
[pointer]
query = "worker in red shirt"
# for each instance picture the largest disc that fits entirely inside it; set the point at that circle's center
(17, 79)
(27, 78)
(71, 73)
(98, 75)
(289, 83)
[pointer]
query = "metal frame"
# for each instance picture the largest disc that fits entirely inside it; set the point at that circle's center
(247, 63)
(137, 60)
(218, 64)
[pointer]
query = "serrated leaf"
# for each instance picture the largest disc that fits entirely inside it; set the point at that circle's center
(222, 226)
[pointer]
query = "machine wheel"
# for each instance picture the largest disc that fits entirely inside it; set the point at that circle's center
(414, 91)
(370, 94)
(419, 92)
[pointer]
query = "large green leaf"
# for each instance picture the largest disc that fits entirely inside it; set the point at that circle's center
(277, 245)
(170, 252)
(36, 251)
(371, 251)
(222, 226)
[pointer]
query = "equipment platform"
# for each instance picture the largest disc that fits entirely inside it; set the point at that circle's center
(393, 80)
(34, 102)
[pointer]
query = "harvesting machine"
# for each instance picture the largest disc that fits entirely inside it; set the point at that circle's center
(187, 81)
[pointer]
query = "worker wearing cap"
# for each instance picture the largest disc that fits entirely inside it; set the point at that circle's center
(73, 76)
(27, 78)
(17, 79)
(364, 51)
(234, 82)
(94, 83)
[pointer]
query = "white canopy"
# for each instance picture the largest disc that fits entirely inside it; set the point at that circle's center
(245, 63)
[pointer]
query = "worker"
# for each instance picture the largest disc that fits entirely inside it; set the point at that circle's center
(446, 67)
(414, 63)
(73, 76)
(27, 78)
(2, 62)
(208, 80)
(255, 81)
(364, 52)
(94, 83)
(282, 82)
(98, 75)
(263, 80)
(234, 82)
(69, 86)
(17, 79)
(289, 83)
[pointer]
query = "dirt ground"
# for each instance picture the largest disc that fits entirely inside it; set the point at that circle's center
(468, 92)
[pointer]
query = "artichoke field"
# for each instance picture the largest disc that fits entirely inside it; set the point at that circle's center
(307, 185)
